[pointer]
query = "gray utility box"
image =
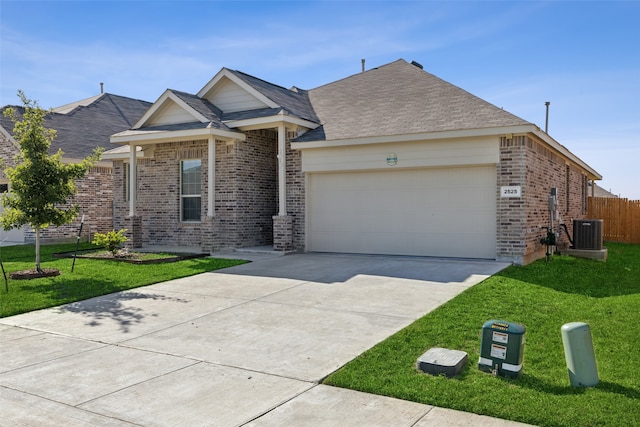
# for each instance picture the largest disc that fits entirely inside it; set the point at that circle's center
(587, 234)
(437, 361)
(502, 348)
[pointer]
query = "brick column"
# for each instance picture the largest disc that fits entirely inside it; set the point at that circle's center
(210, 238)
(133, 224)
(282, 233)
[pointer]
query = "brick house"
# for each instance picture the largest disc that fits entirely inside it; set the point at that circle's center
(81, 127)
(392, 160)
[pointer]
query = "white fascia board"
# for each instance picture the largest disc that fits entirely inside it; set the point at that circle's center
(141, 137)
(564, 152)
(7, 135)
(120, 154)
(228, 74)
(187, 108)
(167, 95)
(270, 122)
(206, 88)
(147, 115)
(465, 133)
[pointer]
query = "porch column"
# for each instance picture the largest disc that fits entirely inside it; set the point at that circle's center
(133, 222)
(132, 180)
(282, 224)
(212, 177)
(282, 171)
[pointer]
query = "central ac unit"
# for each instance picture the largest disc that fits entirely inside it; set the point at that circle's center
(587, 234)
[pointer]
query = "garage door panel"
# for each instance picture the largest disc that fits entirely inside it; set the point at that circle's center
(429, 212)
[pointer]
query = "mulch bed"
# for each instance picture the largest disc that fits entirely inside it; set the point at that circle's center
(34, 274)
(131, 258)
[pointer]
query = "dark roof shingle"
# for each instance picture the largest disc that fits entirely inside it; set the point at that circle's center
(85, 127)
(399, 98)
(294, 101)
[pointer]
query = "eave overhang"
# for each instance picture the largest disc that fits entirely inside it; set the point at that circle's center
(270, 122)
(143, 137)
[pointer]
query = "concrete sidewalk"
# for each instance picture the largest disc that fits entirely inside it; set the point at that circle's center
(246, 345)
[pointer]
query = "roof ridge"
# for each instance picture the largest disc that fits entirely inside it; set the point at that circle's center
(68, 108)
(261, 80)
(360, 73)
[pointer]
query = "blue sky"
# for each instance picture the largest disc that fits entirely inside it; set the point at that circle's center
(582, 56)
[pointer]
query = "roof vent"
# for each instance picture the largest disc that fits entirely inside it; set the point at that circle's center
(417, 65)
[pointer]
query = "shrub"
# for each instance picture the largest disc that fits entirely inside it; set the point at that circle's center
(110, 241)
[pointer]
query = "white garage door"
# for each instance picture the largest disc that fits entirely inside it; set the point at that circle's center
(448, 212)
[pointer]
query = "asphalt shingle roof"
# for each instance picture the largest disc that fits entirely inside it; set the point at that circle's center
(85, 127)
(398, 98)
(294, 101)
(204, 107)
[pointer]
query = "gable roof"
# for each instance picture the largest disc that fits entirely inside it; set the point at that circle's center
(84, 125)
(294, 101)
(180, 111)
(399, 98)
(200, 112)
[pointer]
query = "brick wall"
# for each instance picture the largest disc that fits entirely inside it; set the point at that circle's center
(295, 193)
(257, 188)
(245, 196)
(536, 168)
(511, 213)
(94, 196)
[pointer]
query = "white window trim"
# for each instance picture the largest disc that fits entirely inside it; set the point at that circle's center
(185, 196)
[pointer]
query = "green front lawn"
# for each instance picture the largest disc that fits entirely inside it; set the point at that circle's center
(542, 296)
(91, 277)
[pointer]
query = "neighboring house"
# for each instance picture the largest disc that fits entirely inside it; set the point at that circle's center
(392, 160)
(81, 127)
(596, 191)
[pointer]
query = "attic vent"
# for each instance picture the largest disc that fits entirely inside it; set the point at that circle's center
(417, 65)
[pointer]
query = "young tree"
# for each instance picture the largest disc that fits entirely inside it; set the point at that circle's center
(41, 185)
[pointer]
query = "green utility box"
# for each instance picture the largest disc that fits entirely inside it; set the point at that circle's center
(502, 348)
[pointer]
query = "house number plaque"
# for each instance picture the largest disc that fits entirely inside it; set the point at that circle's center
(510, 191)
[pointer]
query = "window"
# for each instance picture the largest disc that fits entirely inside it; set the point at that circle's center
(4, 188)
(190, 197)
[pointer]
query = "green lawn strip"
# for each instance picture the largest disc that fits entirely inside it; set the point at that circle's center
(542, 296)
(91, 277)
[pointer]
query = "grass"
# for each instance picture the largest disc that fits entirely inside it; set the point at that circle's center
(91, 277)
(542, 296)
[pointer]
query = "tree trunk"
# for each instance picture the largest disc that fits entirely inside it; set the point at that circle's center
(37, 230)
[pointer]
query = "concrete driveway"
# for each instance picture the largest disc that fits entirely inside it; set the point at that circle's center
(246, 345)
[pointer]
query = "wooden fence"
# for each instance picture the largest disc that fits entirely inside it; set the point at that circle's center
(620, 218)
